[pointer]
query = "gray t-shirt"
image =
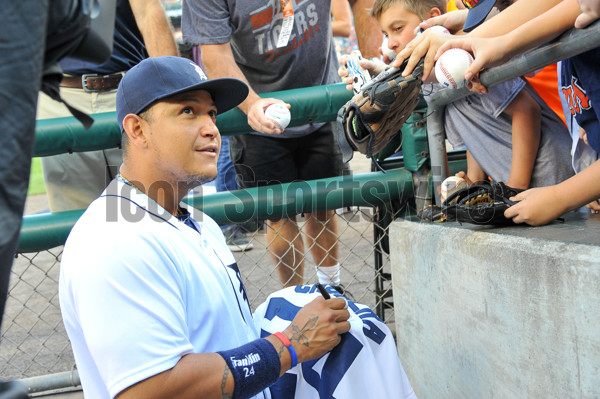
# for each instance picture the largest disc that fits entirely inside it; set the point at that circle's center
(252, 27)
(479, 123)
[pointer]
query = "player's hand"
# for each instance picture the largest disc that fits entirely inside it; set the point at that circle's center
(590, 11)
(257, 119)
(536, 206)
(317, 327)
(453, 21)
(425, 45)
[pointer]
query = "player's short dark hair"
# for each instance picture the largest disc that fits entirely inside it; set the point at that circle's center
(144, 114)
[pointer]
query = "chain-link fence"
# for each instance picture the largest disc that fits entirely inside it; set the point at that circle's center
(34, 342)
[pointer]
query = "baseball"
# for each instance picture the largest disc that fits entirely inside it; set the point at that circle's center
(385, 50)
(451, 185)
(451, 67)
(439, 28)
(279, 114)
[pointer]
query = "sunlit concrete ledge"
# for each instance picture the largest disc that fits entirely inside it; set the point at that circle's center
(508, 312)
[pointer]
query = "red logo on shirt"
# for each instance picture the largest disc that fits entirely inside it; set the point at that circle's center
(296, 42)
(267, 22)
(577, 99)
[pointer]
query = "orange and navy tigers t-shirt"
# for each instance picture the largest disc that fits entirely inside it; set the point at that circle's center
(581, 88)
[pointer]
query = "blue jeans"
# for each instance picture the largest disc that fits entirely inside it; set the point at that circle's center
(226, 178)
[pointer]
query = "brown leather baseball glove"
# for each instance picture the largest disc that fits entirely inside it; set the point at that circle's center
(376, 114)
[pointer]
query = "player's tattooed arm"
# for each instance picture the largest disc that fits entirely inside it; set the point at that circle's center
(196, 375)
(280, 351)
(225, 394)
(317, 327)
(299, 334)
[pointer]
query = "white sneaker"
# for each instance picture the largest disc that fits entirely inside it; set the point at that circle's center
(347, 209)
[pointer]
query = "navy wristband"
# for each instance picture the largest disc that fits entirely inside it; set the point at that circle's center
(254, 366)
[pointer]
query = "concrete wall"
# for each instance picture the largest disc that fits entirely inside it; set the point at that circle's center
(498, 313)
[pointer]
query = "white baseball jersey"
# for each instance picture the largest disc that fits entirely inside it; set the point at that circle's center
(364, 365)
(139, 289)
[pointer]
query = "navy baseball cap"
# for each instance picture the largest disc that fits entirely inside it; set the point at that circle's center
(156, 78)
(478, 12)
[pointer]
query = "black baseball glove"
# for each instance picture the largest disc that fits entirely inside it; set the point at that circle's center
(481, 204)
(375, 115)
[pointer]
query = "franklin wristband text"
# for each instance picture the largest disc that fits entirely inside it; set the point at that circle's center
(254, 366)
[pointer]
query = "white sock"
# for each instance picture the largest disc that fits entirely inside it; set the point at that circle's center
(329, 274)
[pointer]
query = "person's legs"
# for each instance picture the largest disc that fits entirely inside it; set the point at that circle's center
(226, 178)
(322, 236)
(74, 180)
(321, 230)
(21, 59)
(227, 181)
(263, 161)
(235, 235)
(286, 248)
(320, 158)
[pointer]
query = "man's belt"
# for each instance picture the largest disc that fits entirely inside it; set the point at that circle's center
(93, 82)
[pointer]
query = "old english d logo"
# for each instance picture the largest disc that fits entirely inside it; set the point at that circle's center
(576, 97)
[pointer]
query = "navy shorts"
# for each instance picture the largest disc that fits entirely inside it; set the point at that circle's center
(264, 160)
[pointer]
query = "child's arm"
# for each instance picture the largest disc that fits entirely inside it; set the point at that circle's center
(522, 26)
(526, 116)
(475, 174)
(517, 14)
(541, 205)
(497, 50)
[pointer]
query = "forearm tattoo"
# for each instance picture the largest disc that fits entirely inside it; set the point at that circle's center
(226, 373)
(299, 334)
(280, 351)
(253, 367)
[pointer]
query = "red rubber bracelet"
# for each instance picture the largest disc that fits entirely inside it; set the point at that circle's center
(286, 342)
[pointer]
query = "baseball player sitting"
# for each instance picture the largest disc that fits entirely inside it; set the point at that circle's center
(151, 297)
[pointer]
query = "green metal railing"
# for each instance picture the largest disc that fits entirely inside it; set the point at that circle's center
(48, 230)
(66, 135)
(309, 105)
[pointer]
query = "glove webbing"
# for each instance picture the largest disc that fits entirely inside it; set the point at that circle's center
(361, 132)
